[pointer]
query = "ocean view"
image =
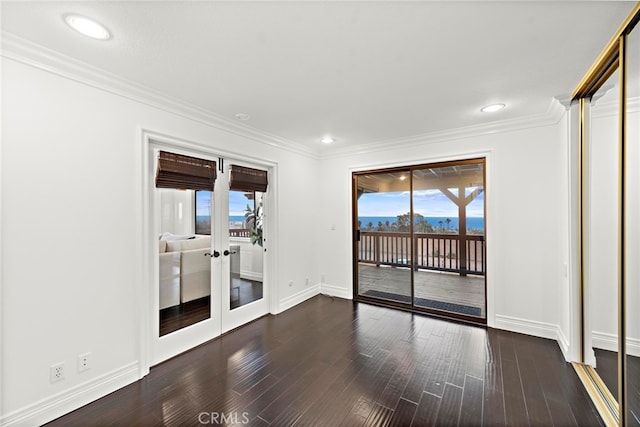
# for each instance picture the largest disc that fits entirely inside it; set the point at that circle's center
(473, 223)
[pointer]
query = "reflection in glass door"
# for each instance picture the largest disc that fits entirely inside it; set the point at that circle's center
(243, 241)
(209, 223)
(632, 232)
(420, 238)
(246, 247)
(606, 143)
(184, 284)
(602, 224)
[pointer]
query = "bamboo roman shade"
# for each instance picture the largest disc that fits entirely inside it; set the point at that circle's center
(185, 172)
(247, 179)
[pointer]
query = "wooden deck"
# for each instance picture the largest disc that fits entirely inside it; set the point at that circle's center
(437, 286)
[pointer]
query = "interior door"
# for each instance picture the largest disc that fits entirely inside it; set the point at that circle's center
(208, 269)
(185, 297)
(244, 296)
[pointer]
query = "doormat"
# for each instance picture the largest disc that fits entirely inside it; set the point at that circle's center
(427, 303)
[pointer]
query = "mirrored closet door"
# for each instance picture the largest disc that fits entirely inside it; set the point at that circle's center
(607, 101)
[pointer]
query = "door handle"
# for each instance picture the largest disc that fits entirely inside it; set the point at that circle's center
(227, 252)
(215, 254)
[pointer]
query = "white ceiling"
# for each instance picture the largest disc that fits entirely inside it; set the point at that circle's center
(363, 71)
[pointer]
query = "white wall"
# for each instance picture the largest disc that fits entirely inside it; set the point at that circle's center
(70, 240)
(526, 219)
(176, 211)
(70, 244)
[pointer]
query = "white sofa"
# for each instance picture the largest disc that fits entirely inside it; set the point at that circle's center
(185, 272)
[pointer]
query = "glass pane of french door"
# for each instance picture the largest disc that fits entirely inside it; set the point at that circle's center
(384, 229)
(184, 270)
(245, 247)
(448, 204)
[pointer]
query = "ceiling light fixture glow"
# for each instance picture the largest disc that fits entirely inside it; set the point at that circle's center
(492, 108)
(327, 140)
(88, 27)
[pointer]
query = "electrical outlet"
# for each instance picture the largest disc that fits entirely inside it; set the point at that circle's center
(56, 372)
(290, 283)
(84, 362)
(306, 281)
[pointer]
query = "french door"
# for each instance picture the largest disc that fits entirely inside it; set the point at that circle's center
(208, 272)
(420, 238)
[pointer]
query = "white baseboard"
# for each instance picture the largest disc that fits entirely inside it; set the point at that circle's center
(297, 298)
(251, 275)
(525, 326)
(55, 406)
(536, 329)
(336, 291)
(606, 341)
(564, 344)
(633, 347)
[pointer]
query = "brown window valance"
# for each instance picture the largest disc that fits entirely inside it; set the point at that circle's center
(247, 179)
(185, 172)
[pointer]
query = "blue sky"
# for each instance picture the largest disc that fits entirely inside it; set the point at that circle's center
(425, 202)
(237, 203)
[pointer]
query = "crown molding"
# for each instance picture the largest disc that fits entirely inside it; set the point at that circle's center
(551, 116)
(40, 57)
(37, 56)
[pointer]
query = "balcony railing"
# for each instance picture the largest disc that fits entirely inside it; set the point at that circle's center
(440, 252)
(240, 232)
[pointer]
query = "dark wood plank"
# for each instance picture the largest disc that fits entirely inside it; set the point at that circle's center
(380, 416)
(472, 401)
(427, 410)
(403, 413)
(185, 314)
(514, 404)
(332, 362)
(449, 412)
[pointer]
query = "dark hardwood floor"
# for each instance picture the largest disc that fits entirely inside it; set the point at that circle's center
(607, 369)
(332, 362)
(185, 314)
(244, 291)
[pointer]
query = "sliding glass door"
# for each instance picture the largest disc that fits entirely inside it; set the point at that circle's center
(384, 231)
(419, 241)
(448, 203)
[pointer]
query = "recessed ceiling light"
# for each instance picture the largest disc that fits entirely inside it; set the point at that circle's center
(243, 117)
(88, 27)
(327, 140)
(492, 108)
